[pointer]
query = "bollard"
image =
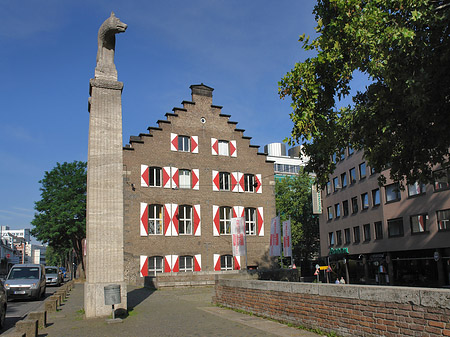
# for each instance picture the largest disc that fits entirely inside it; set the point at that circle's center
(62, 293)
(51, 304)
(58, 299)
(28, 326)
(41, 316)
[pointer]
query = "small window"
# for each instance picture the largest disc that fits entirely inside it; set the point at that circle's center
(328, 187)
(443, 219)
(186, 263)
(395, 227)
(376, 197)
(226, 262)
(352, 174)
(184, 177)
(350, 151)
(223, 148)
(345, 207)
(364, 201)
(362, 170)
(419, 223)
(331, 239)
(333, 158)
(330, 212)
(392, 192)
(336, 185)
(249, 182)
(416, 189)
(354, 205)
(337, 210)
(250, 221)
(185, 220)
(356, 234)
(225, 220)
(184, 143)
(347, 236)
(378, 226)
(155, 265)
(344, 179)
(155, 219)
(366, 229)
(224, 181)
(372, 170)
(154, 175)
(441, 180)
(338, 238)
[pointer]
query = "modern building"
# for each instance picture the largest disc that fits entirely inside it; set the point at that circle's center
(184, 182)
(384, 234)
(5, 231)
(285, 164)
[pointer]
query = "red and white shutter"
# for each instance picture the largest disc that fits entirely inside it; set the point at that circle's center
(216, 220)
(260, 221)
(214, 146)
(197, 221)
(258, 182)
(174, 177)
(241, 182)
(174, 220)
(235, 181)
(144, 175)
(194, 144)
(215, 180)
(237, 263)
(143, 266)
(195, 179)
(238, 211)
(144, 220)
(166, 177)
(233, 148)
(175, 264)
(167, 219)
(216, 258)
(174, 142)
(198, 262)
(167, 263)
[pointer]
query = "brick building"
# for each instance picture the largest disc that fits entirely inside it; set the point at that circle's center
(184, 181)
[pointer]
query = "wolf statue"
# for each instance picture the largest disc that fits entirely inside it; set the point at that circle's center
(106, 68)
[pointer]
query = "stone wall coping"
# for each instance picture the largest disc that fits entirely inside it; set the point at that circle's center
(427, 297)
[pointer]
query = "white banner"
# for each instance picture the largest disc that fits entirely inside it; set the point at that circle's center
(275, 237)
(287, 244)
(238, 236)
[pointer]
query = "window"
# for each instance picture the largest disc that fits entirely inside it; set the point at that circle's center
(225, 220)
(364, 201)
(376, 197)
(416, 189)
(333, 158)
(347, 236)
(392, 193)
(184, 144)
(249, 182)
(352, 175)
(226, 262)
(344, 179)
(342, 154)
(185, 220)
(443, 219)
(372, 170)
(336, 185)
(155, 265)
(337, 210)
(223, 148)
(250, 221)
(154, 175)
(184, 177)
(155, 219)
(186, 263)
(354, 205)
(356, 235)
(395, 227)
(362, 170)
(224, 181)
(331, 239)
(441, 180)
(345, 207)
(350, 151)
(330, 212)
(378, 226)
(338, 238)
(328, 187)
(366, 229)
(419, 223)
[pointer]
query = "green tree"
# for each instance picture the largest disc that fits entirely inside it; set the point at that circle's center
(293, 200)
(60, 220)
(401, 118)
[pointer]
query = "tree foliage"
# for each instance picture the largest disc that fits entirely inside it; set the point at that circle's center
(60, 220)
(293, 200)
(401, 119)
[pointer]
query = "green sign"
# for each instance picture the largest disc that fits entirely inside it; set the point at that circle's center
(334, 251)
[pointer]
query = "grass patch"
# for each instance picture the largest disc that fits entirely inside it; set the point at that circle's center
(132, 313)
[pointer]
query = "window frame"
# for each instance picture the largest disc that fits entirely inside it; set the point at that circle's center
(390, 222)
(328, 187)
(223, 148)
(155, 270)
(354, 202)
(374, 193)
(412, 189)
(395, 189)
(356, 230)
(336, 185)
(361, 174)
(225, 215)
(185, 222)
(249, 182)
(224, 181)
(226, 262)
(182, 182)
(157, 221)
(367, 233)
(339, 237)
(378, 230)
(183, 143)
(437, 184)
(251, 225)
(330, 215)
(412, 225)
(347, 236)
(364, 201)
(344, 179)
(154, 176)
(331, 239)
(345, 208)
(337, 210)
(352, 175)
(182, 263)
(446, 221)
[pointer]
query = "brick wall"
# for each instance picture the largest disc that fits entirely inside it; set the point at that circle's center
(348, 310)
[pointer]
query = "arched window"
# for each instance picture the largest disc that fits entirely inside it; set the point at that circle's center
(186, 263)
(226, 262)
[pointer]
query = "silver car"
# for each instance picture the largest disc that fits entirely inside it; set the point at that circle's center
(53, 276)
(26, 281)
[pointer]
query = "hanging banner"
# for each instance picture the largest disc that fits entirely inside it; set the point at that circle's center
(316, 200)
(275, 237)
(287, 244)
(238, 236)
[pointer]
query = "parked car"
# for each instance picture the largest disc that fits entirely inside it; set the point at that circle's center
(53, 276)
(3, 305)
(25, 281)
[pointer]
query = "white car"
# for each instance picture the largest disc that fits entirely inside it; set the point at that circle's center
(26, 281)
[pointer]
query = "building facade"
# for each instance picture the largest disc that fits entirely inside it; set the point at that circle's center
(183, 182)
(285, 164)
(383, 234)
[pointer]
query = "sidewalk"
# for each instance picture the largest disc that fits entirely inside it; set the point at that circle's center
(171, 312)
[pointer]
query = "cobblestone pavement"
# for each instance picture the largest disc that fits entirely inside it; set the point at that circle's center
(171, 312)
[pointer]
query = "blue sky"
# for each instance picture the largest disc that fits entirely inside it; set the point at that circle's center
(47, 56)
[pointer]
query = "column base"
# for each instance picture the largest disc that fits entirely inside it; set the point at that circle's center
(94, 299)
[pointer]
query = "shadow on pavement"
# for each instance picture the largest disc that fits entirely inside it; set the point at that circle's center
(137, 296)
